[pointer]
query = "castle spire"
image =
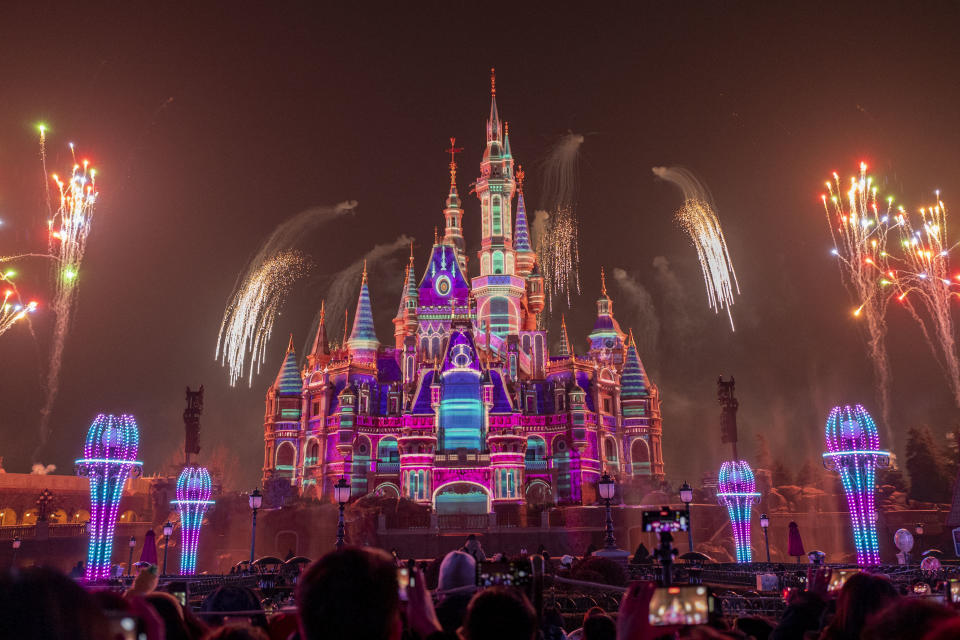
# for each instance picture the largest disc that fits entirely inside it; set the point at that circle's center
(288, 379)
(363, 343)
(607, 339)
(603, 283)
(566, 349)
(453, 233)
(321, 348)
(521, 236)
(633, 379)
(506, 140)
(494, 130)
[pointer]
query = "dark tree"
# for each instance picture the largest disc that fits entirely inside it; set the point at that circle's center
(809, 475)
(764, 459)
(780, 475)
(929, 481)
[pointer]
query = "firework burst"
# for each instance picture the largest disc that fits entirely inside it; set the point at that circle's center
(69, 229)
(556, 229)
(859, 224)
(698, 217)
(249, 318)
(924, 283)
(12, 308)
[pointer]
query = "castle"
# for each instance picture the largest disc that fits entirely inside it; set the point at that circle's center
(468, 409)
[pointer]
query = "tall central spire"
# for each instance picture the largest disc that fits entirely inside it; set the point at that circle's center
(494, 130)
(453, 234)
(363, 341)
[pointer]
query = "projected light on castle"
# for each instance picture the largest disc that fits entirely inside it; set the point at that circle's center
(853, 445)
(737, 491)
(109, 456)
(193, 498)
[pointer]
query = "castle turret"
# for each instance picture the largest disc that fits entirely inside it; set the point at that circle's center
(634, 384)
(320, 354)
(566, 349)
(521, 239)
(606, 339)
(363, 343)
(282, 420)
(498, 290)
(453, 233)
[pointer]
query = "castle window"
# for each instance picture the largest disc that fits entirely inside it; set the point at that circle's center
(497, 218)
(499, 316)
(315, 411)
(497, 262)
(606, 405)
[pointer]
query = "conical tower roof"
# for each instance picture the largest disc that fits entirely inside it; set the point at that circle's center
(521, 237)
(633, 379)
(565, 350)
(321, 346)
(288, 378)
(363, 337)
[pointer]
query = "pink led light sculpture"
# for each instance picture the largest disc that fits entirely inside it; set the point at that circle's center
(193, 497)
(737, 490)
(853, 451)
(109, 456)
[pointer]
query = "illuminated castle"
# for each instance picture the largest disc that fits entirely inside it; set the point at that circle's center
(468, 408)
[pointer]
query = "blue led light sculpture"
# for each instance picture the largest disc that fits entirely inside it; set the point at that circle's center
(737, 492)
(853, 451)
(193, 498)
(109, 456)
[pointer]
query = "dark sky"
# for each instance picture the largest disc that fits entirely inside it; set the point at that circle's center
(276, 111)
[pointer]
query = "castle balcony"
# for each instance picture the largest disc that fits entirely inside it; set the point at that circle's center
(536, 465)
(388, 468)
(461, 458)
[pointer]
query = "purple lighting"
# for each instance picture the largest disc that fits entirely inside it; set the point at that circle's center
(109, 455)
(853, 451)
(737, 491)
(193, 498)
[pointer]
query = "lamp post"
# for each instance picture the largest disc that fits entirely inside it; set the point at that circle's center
(133, 543)
(256, 499)
(919, 531)
(167, 532)
(686, 497)
(765, 524)
(341, 494)
(16, 548)
(607, 488)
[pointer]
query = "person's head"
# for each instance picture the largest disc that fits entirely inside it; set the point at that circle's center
(861, 596)
(168, 608)
(756, 627)
(906, 619)
(458, 569)
(232, 598)
(499, 613)
(350, 594)
(593, 611)
(236, 632)
(947, 630)
(599, 627)
(43, 603)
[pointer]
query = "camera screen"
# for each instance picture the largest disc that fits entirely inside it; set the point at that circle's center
(840, 577)
(665, 520)
(680, 605)
(509, 574)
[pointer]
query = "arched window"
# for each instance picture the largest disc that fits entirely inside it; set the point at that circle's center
(610, 453)
(497, 220)
(497, 262)
(640, 457)
(485, 264)
(435, 347)
(387, 451)
(500, 316)
(286, 460)
(313, 454)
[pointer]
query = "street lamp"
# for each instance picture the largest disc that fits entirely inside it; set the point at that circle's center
(341, 495)
(686, 497)
(167, 532)
(133, 543)
(16, 548)
(607, 488)
(765, 524)
(256, 499)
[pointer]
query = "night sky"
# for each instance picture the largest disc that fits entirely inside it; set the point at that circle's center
(209, 127)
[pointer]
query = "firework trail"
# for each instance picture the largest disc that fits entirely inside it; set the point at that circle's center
(262, 289)
(342, 290)
(69, 228)
(12, 309)
(859, 229)
(698, 217)
(924, 284)
(556, 228)
(248, 320)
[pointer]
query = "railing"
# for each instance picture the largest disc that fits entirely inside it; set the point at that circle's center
(464, 521)
(407, 520)
(388, 467)
(70, 530)
(535, 465)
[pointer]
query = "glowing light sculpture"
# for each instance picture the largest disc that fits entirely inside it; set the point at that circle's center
(737, 492)
(109, 457)
(193, 497)
(853, 451)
